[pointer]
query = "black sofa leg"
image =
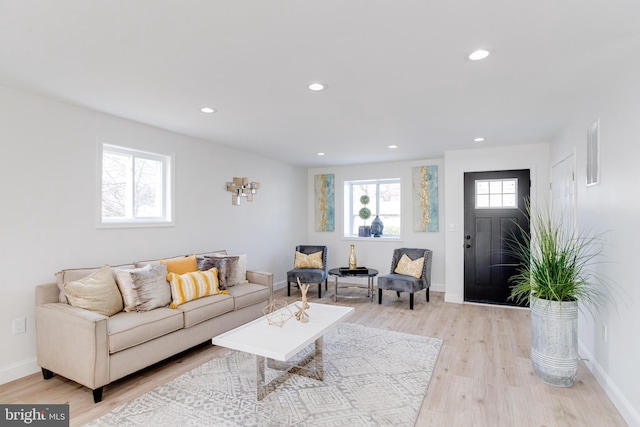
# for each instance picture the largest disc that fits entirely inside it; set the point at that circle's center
(288, 289)
(411, 301)
(97, 395)
(427, 294)
(379, 296)
(320, 290)
(47, 374)
(398, 293)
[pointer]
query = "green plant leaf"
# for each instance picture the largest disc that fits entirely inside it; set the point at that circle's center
(553, 263)
(364, 213)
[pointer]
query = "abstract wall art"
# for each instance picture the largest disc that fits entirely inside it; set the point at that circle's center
(425, 198)
(324, 197)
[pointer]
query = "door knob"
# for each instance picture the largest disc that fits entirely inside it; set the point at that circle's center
(467, 246)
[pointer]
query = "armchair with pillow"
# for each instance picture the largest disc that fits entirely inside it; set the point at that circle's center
(310, 266)
(410, 272)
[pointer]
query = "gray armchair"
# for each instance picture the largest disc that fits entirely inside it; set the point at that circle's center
(309, 275)
(404, 283)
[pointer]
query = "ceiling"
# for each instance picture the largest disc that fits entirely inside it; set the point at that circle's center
(397, 70)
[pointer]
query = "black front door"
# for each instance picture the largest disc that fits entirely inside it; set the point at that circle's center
(494, 206)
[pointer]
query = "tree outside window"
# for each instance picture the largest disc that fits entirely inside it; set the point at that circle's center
(135, 186)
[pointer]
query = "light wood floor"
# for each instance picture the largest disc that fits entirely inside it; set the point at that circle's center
(483, 376)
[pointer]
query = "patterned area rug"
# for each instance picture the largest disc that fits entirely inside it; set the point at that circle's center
(372, 377)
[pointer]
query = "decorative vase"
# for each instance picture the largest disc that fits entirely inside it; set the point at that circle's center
(364, 231)
(554, 341)
(376, 227)
(352, 258)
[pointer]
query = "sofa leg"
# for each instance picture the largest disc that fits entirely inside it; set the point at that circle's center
(379, 296)
(320, 290)
(47, 374)
(411, 301)
(398, 293)
(97, 395)
(288, 289)
(427, 294)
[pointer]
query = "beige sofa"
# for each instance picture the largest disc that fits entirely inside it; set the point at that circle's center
(94, 350)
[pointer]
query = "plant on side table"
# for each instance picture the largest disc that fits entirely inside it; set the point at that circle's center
(554, 277)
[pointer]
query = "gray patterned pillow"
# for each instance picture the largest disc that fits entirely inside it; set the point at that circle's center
(152, 288)
(227, 267)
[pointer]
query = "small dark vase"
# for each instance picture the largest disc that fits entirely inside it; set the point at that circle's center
(376, 227)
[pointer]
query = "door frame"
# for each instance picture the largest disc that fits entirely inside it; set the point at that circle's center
(535, 157)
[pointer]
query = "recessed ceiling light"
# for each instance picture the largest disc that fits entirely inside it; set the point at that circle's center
(479, 54)
(320, 154)
(392, 146)
(208, 110)
(316, 87)
(479, 139)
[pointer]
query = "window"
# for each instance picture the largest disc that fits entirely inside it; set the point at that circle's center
(384, 201)
(496, 193)
(135, 187)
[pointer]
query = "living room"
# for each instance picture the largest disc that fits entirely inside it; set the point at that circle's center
(51, 189)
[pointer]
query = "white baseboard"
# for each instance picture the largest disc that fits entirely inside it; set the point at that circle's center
(18, 370)
(454, 298)
(628, 412)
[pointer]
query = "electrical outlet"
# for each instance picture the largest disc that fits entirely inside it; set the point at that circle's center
(605, 333)
(19, 325)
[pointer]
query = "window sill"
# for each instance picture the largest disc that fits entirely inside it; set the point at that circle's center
(110, 225)
(373, 239)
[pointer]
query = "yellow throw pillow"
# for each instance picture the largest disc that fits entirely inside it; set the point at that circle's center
(308, 261)
(181, 265)
(410, 268)
(191, 286)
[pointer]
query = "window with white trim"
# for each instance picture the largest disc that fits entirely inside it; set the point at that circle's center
(384, 201)
(135, 187)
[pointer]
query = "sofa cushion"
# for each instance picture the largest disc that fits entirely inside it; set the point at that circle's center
(181, 265)
(241, 267)
(96, 292)
(71, 274)
(246, 294)
(125, 284)
(191, 286)
(151, 288)
(130, 329)
(202, 309)
(227, 267)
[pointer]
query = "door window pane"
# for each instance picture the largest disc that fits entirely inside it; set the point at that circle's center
(496, 193)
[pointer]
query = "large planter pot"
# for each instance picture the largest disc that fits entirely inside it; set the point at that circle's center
(554, 341)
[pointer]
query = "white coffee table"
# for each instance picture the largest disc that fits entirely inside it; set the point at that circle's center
(273, 343)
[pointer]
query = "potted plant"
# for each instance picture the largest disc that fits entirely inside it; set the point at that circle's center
(553, 276)
(364, 213)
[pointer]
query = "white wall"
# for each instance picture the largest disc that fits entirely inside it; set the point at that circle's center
(373, 252)
(47, 220)
(612, 207)
(534, 157)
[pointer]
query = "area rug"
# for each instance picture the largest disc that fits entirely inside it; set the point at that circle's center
(372, 377)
